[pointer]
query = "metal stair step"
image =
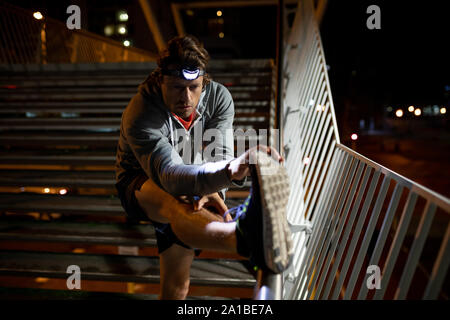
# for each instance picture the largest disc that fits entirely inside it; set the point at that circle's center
(62, 157)
(101, 233)
(10, 294)
(48, 178)
(205, 272)
(97, 139)
(64, 204)
(15, 107)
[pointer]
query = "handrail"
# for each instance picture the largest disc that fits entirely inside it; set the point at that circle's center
(26, 40)
(363, 216)
(269, 286)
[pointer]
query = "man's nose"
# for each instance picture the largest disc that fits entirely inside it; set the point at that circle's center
(186, 95)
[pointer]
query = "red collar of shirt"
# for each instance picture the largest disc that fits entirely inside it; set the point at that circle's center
(186, 123)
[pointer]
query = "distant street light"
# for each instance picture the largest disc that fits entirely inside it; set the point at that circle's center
(417, 112)
(443, 110)
(37, 15)
(219, 13)
(399, 113)
(108, 30)
(126, 43)
(354, 137)
(411, 109)
(121, 29)
(123, 16)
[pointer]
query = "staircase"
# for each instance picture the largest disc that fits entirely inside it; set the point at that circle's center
(59, 126)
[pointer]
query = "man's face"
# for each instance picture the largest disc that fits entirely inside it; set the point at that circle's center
(181, 96)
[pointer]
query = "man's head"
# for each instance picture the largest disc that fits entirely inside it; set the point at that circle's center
(182, 74)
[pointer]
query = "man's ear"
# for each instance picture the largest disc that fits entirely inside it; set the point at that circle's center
(204, 84)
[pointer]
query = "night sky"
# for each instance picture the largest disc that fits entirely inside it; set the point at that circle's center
(406, 62)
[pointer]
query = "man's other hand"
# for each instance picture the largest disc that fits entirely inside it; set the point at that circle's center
(214, 203)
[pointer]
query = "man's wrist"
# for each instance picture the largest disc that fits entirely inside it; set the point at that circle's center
(228, 171)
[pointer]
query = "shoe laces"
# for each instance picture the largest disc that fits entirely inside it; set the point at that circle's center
(239, 211)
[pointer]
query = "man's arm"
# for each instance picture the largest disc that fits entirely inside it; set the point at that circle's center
(222, 121)
(147, 138)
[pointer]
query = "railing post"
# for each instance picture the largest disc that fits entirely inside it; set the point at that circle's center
(269, 286)
(280, 63)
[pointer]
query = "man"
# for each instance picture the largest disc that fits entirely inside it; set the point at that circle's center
(157, 182)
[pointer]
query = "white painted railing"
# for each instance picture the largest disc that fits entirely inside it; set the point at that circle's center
(369, 225)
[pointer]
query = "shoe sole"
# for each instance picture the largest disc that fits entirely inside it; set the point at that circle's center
(274, 189)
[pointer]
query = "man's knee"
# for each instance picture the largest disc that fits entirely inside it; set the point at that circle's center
(175, 272)
(152, 200)
(174, 287)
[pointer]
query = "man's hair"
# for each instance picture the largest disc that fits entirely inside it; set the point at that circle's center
(182, 51)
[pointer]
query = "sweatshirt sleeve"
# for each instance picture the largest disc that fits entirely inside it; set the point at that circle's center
(147, 139)
(221, 126)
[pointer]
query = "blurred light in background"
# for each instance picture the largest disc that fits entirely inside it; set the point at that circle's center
(411, 109)
(37, 15)
(108, 30)
(122, 15)
(354, 137)
(121, 29)
(126, 43)
(399, 113)
(417, 112)
(63, 191)
(443, 110)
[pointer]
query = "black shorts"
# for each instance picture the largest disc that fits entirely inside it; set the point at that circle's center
(165, 237)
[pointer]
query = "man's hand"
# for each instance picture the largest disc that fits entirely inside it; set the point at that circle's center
(213, 202)
(239, 167)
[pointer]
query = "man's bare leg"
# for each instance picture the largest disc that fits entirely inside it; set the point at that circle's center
(200, 229)
(175, 266)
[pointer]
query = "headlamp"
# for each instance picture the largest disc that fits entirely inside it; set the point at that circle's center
(185, 73)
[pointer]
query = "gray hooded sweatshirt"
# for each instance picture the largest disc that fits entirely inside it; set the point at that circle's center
(154, 141)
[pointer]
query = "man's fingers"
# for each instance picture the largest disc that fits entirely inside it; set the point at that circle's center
(269, 150)
(219, 206)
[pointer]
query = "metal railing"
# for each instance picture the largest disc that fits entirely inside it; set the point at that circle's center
(26, 40)
(350, 216)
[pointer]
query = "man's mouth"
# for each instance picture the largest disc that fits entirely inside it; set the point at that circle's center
(184, 107)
